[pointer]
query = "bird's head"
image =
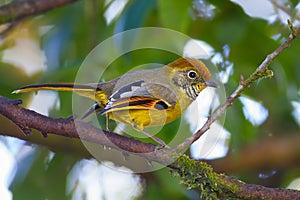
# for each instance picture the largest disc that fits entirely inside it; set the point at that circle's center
(191, 75)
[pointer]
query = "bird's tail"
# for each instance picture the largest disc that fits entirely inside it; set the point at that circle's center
(91, 91)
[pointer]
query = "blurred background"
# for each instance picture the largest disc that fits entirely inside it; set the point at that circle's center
(260, 135)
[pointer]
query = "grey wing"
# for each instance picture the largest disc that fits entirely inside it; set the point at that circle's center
(143, 89)
(160, 91)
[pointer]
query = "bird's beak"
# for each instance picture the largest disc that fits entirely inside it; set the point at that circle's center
(211, 84)
(202, 85)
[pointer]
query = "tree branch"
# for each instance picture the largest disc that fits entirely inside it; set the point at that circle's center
(193, 173)
(17, 10)
(196, 174)
(27, 120)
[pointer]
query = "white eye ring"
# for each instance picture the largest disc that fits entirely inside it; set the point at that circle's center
(192, 74)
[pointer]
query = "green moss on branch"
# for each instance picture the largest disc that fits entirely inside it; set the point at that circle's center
(200, 175)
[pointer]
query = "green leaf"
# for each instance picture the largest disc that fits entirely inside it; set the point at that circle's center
(175, 14)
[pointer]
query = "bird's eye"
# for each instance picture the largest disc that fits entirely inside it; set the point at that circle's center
(192, 74)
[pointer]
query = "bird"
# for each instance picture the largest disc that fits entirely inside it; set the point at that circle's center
(142, 98)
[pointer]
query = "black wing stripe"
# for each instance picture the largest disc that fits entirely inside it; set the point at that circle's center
(134, 103)
(161, 105)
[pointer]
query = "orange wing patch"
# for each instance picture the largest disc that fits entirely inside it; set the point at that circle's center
(136, 103)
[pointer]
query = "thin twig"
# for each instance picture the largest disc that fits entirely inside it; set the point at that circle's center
(260, 72)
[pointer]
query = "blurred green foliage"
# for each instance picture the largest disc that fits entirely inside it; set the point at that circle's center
(77, 28)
